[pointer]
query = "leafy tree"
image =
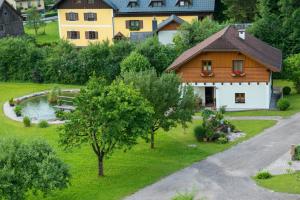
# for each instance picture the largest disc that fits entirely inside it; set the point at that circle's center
(172, 103)
(107, 117)
(34, 19)
(195, 32)
(32, 167)
(135, 62)
(219, 11)
(62, 65)
(291, 65)
(18, 58)
(240, 10)
(160, 56)
(277, 23)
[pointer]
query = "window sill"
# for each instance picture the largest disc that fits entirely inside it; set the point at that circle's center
(238, 75)
(207, 75)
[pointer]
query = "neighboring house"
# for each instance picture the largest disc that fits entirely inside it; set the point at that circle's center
(168, 28)
(84, 21)
(11, 23)
(24, 5)
(231, 68)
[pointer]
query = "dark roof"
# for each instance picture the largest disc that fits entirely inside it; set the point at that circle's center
(228, 40)
(121, 6)
(172, 18)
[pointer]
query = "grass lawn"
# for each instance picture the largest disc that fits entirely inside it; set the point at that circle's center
(125, 172)
(287, 183)
(51, 35)
(293, 98)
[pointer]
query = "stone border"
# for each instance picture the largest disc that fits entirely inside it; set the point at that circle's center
(9, 111)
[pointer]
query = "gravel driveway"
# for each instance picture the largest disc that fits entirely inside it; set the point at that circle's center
(226, 175)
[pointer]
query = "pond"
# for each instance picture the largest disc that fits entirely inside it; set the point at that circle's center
(38, 108)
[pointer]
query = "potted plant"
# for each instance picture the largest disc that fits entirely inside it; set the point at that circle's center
(11, 102)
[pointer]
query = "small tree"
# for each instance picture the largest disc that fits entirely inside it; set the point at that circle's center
(135, 62)
(172, 103)
(192, 33)
(30, 167)
(107, 117)
(34, 19)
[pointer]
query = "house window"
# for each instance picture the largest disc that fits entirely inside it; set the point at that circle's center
(134, 25)
(90, 16)
(239, 97)
(183, 3)
(91, 35)
(206, 66)
(73, 35)
(238, 66)
(1, 28)
(156, 3)
(77, 1)
(71, 16)
(91, 1)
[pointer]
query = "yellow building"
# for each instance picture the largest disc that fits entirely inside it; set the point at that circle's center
(86, 21)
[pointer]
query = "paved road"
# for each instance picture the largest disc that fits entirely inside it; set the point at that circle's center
(276, 118)
(226, 175)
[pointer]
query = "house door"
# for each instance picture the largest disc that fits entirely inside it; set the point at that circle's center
(209, 96)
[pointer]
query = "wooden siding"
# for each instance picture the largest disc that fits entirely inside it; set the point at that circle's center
(11, 21)
(222, 69)
(170, 27)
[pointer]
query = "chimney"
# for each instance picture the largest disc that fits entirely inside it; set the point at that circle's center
(242, 34)
(154, 24)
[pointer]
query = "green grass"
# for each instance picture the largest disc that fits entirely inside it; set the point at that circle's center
(287, 183)
(51, 35)
(293, 109)
(125, 172)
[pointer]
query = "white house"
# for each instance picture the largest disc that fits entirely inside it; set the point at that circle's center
(231, 68)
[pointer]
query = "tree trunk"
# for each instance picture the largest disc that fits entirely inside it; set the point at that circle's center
(100, 165)
(152, 139)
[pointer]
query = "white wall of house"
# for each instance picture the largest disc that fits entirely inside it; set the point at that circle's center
(257, 95)
(200, 92)
(166, 37)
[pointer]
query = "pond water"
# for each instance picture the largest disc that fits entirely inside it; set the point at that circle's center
(38, 108)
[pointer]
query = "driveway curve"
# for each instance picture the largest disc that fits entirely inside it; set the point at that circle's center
(227, 175)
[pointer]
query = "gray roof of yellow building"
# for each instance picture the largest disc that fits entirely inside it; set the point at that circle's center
(169, 6)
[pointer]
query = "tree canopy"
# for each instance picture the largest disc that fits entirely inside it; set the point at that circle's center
(135, 62)
(32, 167)
(107, 117)
(240, 11)
(192, 33)
(172, 103)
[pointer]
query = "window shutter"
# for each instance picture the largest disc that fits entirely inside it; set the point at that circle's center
(141, 24)
(87, 35)
(85, 16)
(67, 17)
(76, 16)
(127, 24)
(68, 34)
(78, 35)
(95, 15)
(96, 35)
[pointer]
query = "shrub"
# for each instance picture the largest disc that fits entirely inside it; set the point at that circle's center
(187, 196)
(61, 115)
(200, 133)
(283, 104)
(43, 124)
(53, 95)
(11, 102)
(263, 175)
(18, 110)
(222, 110)
(26, 121)
(286, 90)
(222, 140)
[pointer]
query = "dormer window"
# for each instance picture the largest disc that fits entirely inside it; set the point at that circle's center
(183, 3)
(156, 3)
(132, 3)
